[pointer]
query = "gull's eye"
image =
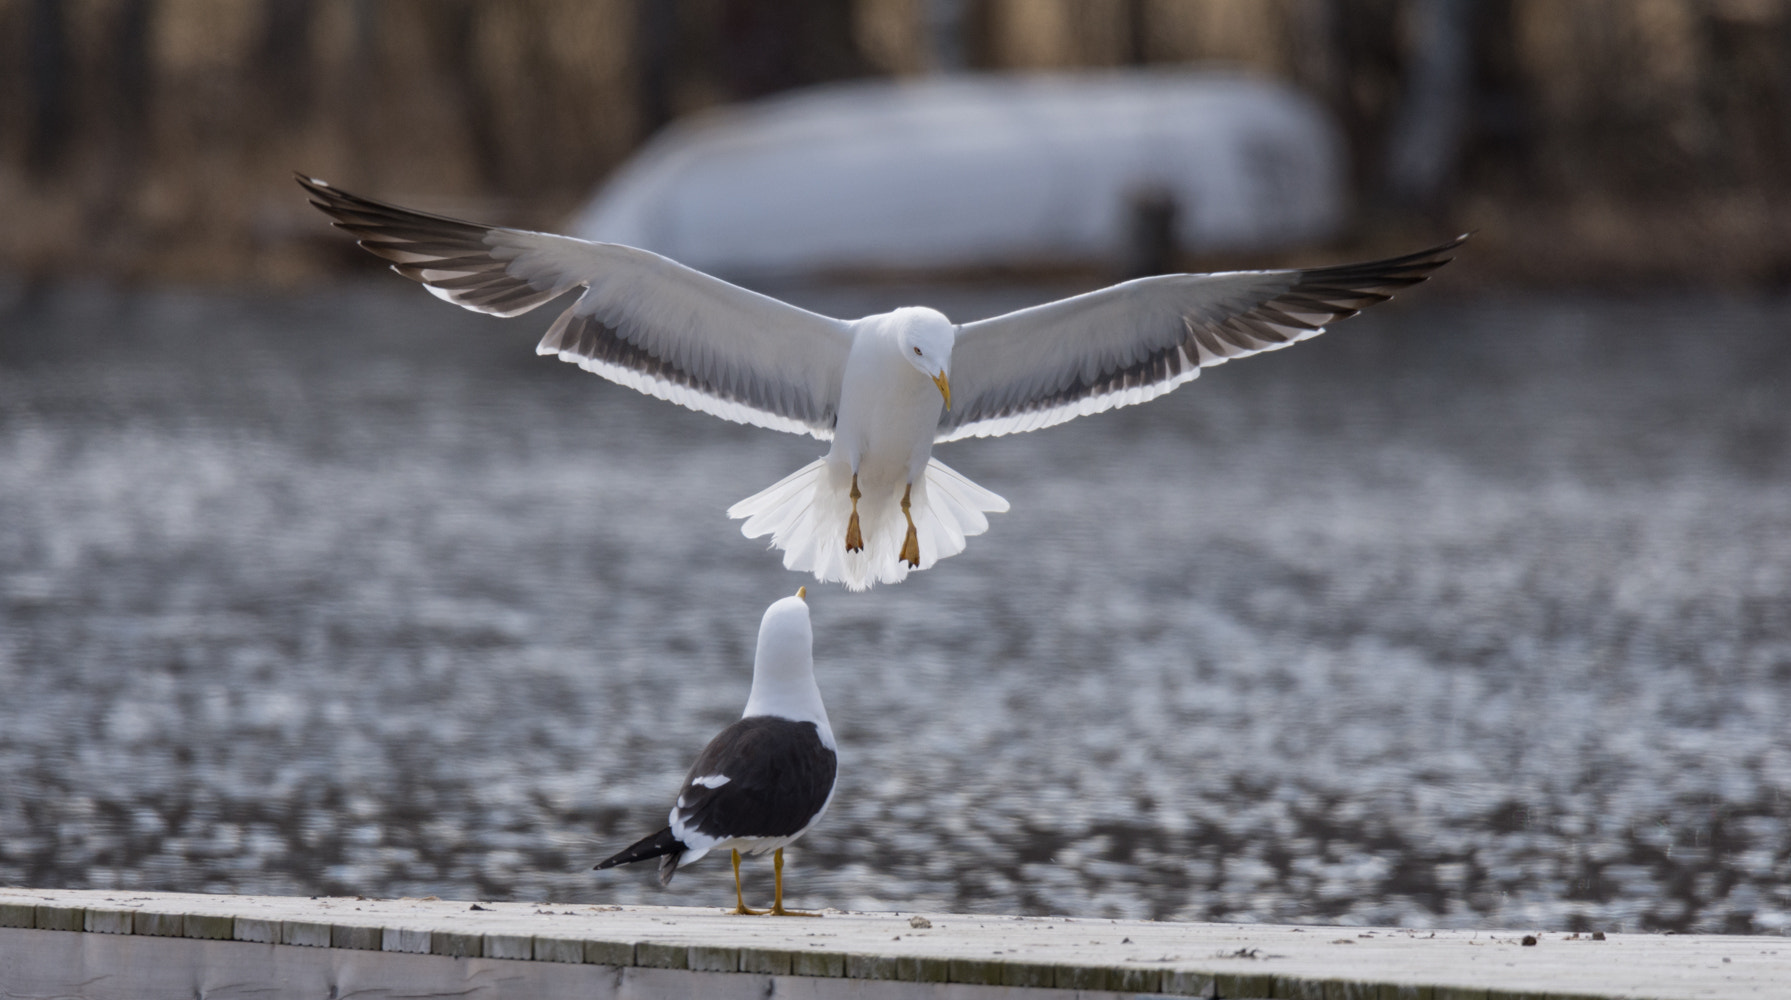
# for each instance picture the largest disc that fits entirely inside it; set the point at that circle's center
(917, 350)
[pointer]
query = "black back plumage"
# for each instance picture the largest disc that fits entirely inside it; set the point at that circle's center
(779, 777)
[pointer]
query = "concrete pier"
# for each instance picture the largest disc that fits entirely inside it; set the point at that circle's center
(109, 944)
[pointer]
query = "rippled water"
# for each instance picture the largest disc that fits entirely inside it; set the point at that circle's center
(1467, 613)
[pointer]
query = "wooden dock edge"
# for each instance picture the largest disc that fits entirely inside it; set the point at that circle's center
(597, 951)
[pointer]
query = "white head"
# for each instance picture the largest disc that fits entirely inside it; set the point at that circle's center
(786, 639)
(783, 671)
(926, 338)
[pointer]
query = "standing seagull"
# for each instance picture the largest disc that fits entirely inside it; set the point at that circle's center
(764, 780)
(882, 387)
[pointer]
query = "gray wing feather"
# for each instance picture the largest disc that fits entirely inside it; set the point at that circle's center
(643, 321)
(1135, 341)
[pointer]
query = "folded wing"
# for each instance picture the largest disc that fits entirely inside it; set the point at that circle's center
(762, 777)
(1135, 341)
(643, 321)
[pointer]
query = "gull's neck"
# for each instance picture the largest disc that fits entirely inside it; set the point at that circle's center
(783, 671)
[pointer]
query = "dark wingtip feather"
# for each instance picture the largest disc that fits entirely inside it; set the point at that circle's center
(1373, 280)
(450, 255)
(353, 210)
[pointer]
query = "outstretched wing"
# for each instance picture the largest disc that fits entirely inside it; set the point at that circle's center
(1138, 340)
(644, 321)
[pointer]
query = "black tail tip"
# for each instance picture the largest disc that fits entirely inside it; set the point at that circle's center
(653, 845)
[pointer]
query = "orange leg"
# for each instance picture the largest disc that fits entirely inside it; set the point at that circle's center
(854, 537)
(777, 907)
(740, 906)
(911, 544)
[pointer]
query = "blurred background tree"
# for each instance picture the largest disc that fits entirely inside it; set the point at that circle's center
(1607, 141)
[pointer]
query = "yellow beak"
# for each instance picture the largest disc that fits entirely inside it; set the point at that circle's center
(802, 592)
(944, 385)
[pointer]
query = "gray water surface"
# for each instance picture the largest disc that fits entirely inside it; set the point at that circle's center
(1468, 613)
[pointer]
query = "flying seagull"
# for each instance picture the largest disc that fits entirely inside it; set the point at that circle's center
(883, 388)
(763, 781)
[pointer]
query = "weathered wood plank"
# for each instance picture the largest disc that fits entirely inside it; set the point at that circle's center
(942, 952)
(711, 958)
(654, 955)
(208, 926)
(607, 953)
(827, 964)
(17, 913)
(109, 921)
(517, 946)
(256, 930)
(154, 924)
(305, 933)
(457, 945)
(356, 938)
(570, 951)
(765, 961)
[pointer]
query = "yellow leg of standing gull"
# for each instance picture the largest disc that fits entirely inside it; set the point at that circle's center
(854, 537)
(911, 544)
(739, 897)
(777, 906)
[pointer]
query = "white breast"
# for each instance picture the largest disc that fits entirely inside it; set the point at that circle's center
(889, 411)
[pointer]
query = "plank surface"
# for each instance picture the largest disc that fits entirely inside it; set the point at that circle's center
(1015, 954)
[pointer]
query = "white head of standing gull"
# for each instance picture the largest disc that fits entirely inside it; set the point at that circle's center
(884, 389)
(763, 781)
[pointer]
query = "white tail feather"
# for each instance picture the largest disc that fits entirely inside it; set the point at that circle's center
(805, 513)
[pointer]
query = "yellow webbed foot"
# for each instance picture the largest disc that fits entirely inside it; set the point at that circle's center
(740, 907)
(779, 911)
(910, 544)
(777, 907)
